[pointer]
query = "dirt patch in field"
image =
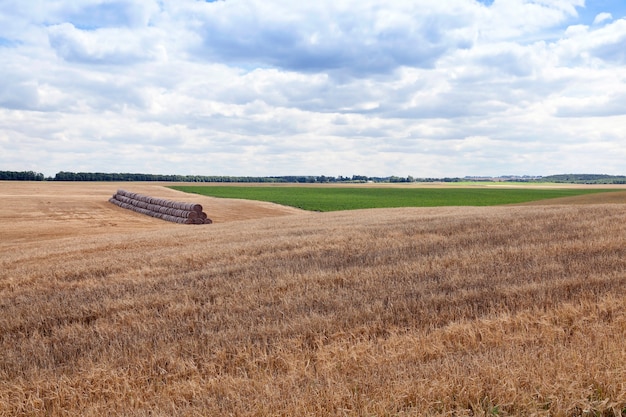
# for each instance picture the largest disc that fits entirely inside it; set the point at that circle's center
(35, 211)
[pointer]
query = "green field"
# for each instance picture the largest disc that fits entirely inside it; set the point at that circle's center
(344, 198)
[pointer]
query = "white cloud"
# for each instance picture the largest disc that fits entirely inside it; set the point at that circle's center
(524, 19)
(20, 95)
(602, 17)
(111, 46)
(348, 87)
(354, 37)
(605, 45)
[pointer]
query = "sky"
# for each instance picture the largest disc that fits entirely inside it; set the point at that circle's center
(327, 87)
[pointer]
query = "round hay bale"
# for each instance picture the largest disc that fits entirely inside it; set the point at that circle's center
(174, 211)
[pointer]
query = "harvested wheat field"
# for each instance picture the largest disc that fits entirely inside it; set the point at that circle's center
(270, 311)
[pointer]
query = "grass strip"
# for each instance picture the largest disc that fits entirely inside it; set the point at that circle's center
(342, 198)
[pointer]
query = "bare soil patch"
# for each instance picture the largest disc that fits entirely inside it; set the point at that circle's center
(34, 211)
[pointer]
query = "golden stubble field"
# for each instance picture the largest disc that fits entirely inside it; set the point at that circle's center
(271, 311)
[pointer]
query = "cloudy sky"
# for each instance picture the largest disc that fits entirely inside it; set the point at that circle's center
(327, 87)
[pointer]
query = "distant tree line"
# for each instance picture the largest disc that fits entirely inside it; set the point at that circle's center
(585, 179)
(100, 176)
(21, 176)
(120, 177)
(107, 176)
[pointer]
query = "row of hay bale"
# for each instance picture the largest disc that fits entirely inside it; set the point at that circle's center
(173, 211)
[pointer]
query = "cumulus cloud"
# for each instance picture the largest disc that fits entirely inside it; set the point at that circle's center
(357, 37)
(602, 17)
(104, 46)
(112, 13)
(524, 20)
(19, 95)
(343, 87)
(605, 44)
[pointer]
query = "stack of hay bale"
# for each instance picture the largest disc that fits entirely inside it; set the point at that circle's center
(173, 211)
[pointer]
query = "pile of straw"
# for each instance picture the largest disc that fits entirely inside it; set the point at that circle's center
(173, 211)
